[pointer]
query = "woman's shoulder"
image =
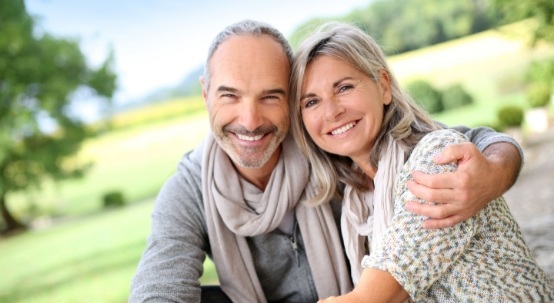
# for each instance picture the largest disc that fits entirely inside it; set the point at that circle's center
(438, 140)
(446, 135)
(421, 158)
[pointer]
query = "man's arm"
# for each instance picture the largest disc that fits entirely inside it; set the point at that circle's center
(172, 263)
(480, 178)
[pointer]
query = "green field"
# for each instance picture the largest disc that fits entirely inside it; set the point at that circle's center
(84, 259)
(78, 252)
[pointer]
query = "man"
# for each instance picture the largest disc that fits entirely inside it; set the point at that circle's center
(237, 196)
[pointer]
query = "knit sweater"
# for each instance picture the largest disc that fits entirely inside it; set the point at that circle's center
(483, 259)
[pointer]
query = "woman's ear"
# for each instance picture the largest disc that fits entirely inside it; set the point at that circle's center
(384, 83)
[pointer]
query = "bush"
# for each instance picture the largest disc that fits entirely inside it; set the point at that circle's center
(538, 94)
(426, 95)
(541, 71)
(455, 96)
(510, 116)
(114, 199)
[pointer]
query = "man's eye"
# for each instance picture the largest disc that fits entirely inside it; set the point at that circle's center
(271, 98)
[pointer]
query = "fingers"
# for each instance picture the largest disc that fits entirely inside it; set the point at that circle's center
(432, 188)
(435, 211)
(455, 152)
(440, 215)
(447, 222)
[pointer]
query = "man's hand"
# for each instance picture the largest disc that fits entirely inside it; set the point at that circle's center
(480, 178)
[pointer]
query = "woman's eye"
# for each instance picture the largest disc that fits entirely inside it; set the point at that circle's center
(310, 103)
(345, 88)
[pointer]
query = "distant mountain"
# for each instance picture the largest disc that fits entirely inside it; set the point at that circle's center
(189, 86)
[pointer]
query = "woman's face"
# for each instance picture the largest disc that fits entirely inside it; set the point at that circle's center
(342, 108)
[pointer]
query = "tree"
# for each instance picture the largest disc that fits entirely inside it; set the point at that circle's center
(540, 10)
(400, 26)
(39, 77)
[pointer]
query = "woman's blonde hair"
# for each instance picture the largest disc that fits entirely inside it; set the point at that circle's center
(403, 120)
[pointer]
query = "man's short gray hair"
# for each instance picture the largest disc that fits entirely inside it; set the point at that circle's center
(245, 27)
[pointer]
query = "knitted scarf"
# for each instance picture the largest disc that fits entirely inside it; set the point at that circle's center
(369, 214)
(230, 219)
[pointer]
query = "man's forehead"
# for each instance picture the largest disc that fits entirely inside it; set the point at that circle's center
(251, 48)
(250, 62)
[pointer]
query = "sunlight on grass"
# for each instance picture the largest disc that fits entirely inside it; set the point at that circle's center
(89, 259)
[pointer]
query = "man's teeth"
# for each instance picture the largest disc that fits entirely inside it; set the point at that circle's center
(249, 138)
(343, 129)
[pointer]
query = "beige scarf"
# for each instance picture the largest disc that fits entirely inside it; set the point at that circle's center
(230, 219)
(369, 214)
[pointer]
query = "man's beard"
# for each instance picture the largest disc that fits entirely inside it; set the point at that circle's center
(249, 157)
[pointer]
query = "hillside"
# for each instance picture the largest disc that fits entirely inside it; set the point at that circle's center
(486, 53)
(489, 64)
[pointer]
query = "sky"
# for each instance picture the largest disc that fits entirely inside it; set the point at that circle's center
(158, 43)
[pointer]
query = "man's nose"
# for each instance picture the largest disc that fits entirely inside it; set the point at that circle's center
(251, 115)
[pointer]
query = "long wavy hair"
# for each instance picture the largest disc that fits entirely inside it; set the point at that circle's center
(403, 120)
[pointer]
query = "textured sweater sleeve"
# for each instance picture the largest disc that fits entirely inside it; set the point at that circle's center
(172, 263)
(414, 256)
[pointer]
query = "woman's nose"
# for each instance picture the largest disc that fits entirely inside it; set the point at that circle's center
(333, 109)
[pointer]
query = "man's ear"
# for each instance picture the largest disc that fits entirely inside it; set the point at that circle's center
(204, 89)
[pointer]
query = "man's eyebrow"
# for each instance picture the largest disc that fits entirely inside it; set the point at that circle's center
(278, 91)
(224, 88)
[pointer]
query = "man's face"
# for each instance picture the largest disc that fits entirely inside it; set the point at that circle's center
(247, 99)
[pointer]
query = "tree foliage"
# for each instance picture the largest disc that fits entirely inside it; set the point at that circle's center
(39, 75)
(400, 25)
(540, 10)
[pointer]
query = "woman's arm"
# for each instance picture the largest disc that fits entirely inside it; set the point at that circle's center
(375, 286)
(410, 259)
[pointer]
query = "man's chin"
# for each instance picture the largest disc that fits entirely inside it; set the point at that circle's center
(254, 161)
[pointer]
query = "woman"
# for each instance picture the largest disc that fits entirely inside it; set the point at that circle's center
(359, 128)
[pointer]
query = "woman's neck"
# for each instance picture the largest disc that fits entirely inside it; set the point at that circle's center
(365, 165)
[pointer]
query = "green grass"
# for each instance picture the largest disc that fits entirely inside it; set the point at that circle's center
(86, 259)
(90, 255)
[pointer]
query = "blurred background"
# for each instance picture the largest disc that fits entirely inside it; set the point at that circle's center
(100, 99)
